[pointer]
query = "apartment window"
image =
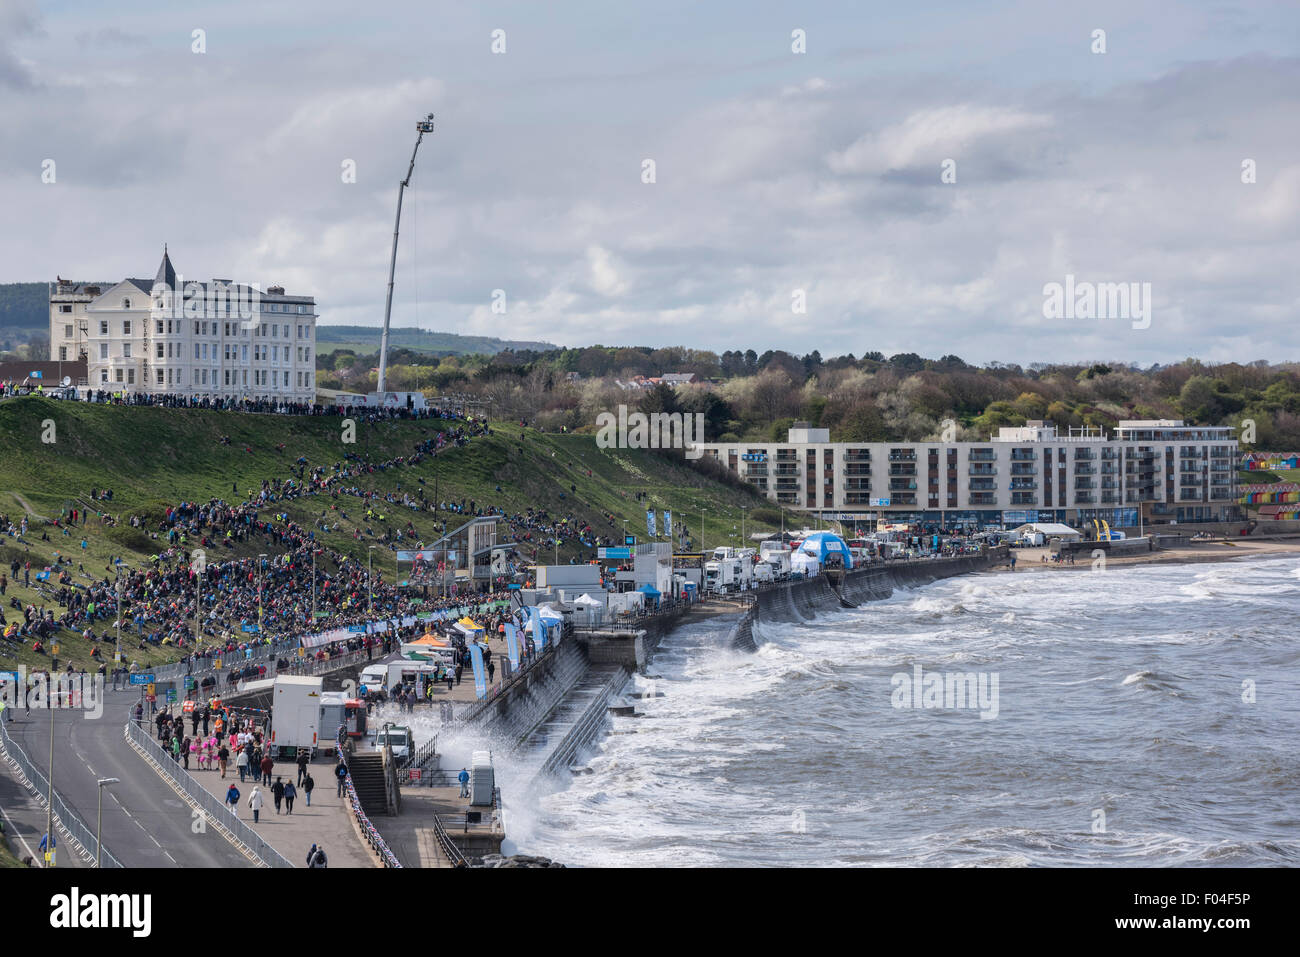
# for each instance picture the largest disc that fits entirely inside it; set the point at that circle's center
(160, 350)
(226, 377)
(65, 309)
(227, 329)
(67, 332)
(103, 375)
(275, 353)
(245, 377)
(243, 354)
(63, 353)
(196, 350)
(169, 376)
(103, 327)
(205, 376)
(126, 350)
(103, 350)
(117, 377)
(126, 327)
(263, 332)
(130, 377)
(286, 376)
(158, 326)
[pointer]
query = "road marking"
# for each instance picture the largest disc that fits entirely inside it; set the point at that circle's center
(14, 829)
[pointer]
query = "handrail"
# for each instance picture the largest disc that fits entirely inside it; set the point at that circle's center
(368, 830)
(453, 852)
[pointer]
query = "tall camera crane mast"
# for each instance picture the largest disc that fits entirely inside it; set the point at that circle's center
(423, 126)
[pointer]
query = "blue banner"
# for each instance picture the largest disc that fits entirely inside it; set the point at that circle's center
(480, 672)
(668, 524)
(650, 522)
(539, 630)
(512, 646)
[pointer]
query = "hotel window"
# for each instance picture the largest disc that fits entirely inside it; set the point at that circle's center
(245, 377)
(196, 327)
(263, 332)
(160, 350)
(103, 375)
(117, 375)
(226, 376)
(103, 350)
(126, 350)
(275, 353)
(126, 327)
(243, 354)
(158, 327)
(169, 376)
(196, 350)
(227, 329)
(126, 303)
(130, 377)
(159, 377)
(65, 309)
(103, 327)
(286, 379)
(205, 376)
(63, 353)
(67, 332)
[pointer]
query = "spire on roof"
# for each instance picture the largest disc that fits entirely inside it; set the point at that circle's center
(166, 274)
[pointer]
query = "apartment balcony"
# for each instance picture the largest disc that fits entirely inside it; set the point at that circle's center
(1084, 484)
(1085, 469)
(857, 469)
(1109, 498)
(852, 498)
(1084, 455)
(752, 472)
(1023, 455)
(1084, 498)
(1024, 483)
(1023, 468)
(982, 470)
(902, 470)
(903, 498)
(983, 455)
(1222, 467)
(857, 455)
(1024, 498)
(983, 498)
(901, 456)
(1220, 494)
(786, 470)
(857, 485)
(1190, 454)
(1109, 454)
(900, 485)
(983, 485)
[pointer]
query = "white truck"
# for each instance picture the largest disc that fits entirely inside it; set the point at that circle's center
(400, 738)
(295, 714)
(722, 577)
(764, 572)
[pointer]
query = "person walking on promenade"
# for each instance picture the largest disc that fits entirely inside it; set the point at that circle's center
(232, 797)
(277, 793)
(318, 858)
(223, 755)
(267, 767)
(302, 765)
(241, 762)
(185, 753)
(463, 778)
(290, 792)
(255, 802)
(341, 773)
(308, 783)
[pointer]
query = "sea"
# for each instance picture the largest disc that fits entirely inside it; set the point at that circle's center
(1139, 715)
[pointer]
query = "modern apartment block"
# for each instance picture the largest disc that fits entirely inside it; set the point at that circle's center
(1172, 471)
(169, 335)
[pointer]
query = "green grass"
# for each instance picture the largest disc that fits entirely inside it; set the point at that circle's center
(7, 856)
(152, 458)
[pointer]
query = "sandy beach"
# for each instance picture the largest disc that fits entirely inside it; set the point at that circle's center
(1218, 550)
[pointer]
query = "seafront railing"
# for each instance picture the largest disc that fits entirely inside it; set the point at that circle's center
(73, 827)
(216, 812)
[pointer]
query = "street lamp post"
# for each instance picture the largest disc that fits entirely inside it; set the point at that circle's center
(49, 797)
(99, 816)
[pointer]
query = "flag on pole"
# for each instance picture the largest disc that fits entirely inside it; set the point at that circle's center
(650, 522)
(668, 524)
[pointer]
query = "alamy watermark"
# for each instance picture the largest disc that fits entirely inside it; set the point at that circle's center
(39, 690)
(1098, 300)
(947, 690)
(654, 430)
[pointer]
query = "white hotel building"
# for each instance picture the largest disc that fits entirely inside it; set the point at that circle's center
(214, 339)
(1171, 471)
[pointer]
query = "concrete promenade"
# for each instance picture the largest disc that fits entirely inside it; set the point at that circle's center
(327, 822)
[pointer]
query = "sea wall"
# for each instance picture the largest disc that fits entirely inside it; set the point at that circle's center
(805, 599)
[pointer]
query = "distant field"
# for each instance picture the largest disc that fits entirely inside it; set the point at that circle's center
(365, 339)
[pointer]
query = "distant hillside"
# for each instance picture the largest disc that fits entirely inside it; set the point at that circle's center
(365, 339)
(24, 306)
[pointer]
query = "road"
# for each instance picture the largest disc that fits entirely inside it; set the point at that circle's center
(146, 824)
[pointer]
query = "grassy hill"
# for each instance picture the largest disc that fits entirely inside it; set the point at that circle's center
(364, 340)
(151, 458)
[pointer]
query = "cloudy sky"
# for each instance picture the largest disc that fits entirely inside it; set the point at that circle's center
(775, 171)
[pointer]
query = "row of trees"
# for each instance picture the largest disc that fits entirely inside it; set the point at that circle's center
(748, 396)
